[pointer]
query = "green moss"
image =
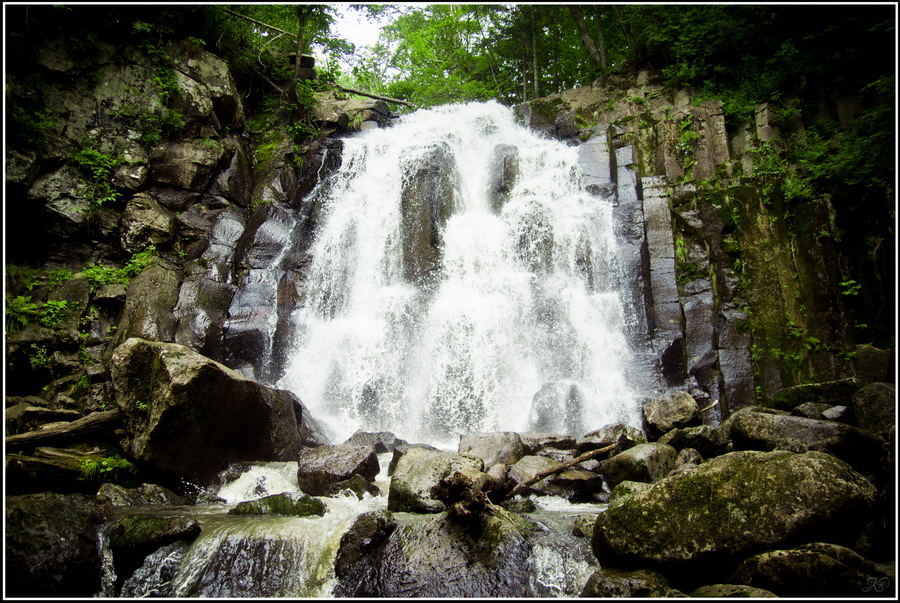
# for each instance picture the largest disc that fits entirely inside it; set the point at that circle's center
(281, 504)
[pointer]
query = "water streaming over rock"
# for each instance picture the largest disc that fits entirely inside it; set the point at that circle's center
(462, 281)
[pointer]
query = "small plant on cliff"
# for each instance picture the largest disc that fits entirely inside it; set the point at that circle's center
(100, 167)
(50, 313)
(112, 468)
(19, 311)
(99, 274)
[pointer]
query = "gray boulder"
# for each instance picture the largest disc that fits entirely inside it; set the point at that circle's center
(765, 431)
(730, 591)
(492, 448)
(419, 470)
(642, 463)
(190, 416)
(819, 569)
(708, 440)
(702, 523)
(145, 222)
(435, 556)
(664, 414)
(320, 468)
(51, 546)
(625, 436)
(875, 407)
(610, 583)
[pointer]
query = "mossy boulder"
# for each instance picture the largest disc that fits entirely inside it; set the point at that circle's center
(51, 546)
(819, 569)
(642, 463)
(287, 503)
(731, 591)
(875, 408)
(703, 522)
(149, 531)
(437, 556)
(829, 392)
(617, 583)
(664, 414)
(418, 471)
(765, 431)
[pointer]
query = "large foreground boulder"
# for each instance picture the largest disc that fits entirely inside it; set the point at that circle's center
(190, 416)
(51, 546)
(818, 569)
(438, 557)
(699, 524)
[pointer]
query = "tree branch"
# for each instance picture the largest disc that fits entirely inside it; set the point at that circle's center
(543, 474)
(266, 25)
(375, 96)
(93, 425)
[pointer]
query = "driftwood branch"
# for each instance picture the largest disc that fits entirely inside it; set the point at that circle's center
(92, 425)
(713, 405)
(375, 96)
(544, 474)
(252, 20)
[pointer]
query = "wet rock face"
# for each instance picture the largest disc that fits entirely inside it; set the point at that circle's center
(434, 556)
(51, 548)
(324, 467)
(190, 416)
(418, 471)
(429, 196)
(659, 527)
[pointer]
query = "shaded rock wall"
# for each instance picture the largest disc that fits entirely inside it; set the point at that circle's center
(736, 291)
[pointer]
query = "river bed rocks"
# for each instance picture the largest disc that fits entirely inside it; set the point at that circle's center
(756, 522)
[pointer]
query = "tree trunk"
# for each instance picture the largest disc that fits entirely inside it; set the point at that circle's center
(626, 29)
(534, 57)
(586, 37)
(96, 424)
(601, 46)
(303, 13)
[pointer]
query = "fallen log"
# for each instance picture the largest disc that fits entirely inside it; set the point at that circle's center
(80, 430)
(545, 474)
(387, 99)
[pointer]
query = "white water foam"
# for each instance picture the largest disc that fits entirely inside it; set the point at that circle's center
(524, 296)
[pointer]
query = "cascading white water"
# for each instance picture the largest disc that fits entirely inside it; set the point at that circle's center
(519, 328)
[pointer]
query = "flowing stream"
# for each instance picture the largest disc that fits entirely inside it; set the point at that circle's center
(462, 281)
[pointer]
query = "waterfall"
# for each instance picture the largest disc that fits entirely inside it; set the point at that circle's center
(463, 280)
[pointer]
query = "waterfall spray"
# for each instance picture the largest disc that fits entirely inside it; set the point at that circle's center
(462, 281)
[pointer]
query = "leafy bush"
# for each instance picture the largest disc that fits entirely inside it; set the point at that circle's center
(100, 167)
(19, 311)
(110, 469)
(99, 274)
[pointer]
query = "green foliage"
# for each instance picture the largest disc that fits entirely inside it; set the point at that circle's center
(40, 358)
(850, 287)
(50, 313)
(19, 311)
(100, 167)
(100, 274)
(109, 469)
(30, 126)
